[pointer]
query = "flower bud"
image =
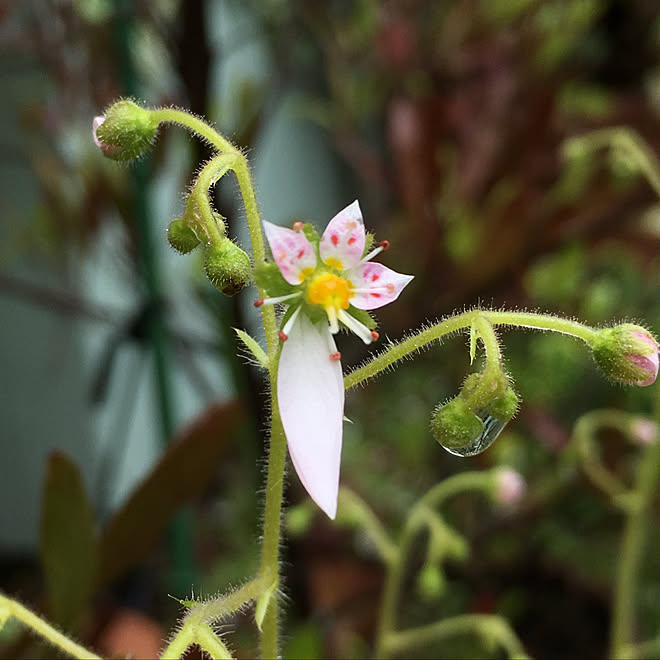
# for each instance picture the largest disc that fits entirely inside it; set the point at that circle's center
(510, 486)
(472, 421)
(431, 583)
(227, 267)
(125, 131)
(455, 426)
(643, 431)
(182, 237)
(627, 353)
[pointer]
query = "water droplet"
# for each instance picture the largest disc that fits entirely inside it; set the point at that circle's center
(492, 427)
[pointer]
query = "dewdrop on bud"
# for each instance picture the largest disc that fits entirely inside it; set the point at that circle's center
(125, 131)
(227, 267)
(457, 428)
(627, 353)
(182, 237)
(470, 423)
(510, 486)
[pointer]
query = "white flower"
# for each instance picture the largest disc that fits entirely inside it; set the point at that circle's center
(330, 281)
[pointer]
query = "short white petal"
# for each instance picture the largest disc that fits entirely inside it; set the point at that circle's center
(310, 395)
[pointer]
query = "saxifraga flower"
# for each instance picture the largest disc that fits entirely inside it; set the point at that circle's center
(330, 283)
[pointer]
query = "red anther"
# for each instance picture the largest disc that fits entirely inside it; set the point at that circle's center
(258, 302)
(335, 357)
(374, 335)
(298, 226)
(384, 244)
(282, 335)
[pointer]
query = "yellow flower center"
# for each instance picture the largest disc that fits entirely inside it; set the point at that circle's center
(330, 290)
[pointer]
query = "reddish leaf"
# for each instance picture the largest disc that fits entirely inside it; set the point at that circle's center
(182, 473)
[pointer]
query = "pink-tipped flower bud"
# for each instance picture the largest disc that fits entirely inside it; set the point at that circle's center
(627, 353)
(510, 486)
(125, 131)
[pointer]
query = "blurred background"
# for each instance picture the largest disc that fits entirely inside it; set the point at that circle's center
(132, 434)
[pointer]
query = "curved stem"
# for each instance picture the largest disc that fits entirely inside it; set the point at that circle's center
(459, 483)
(199, 126)
(445, 327)
(240, 168)
(491, 628)
(9, 607)
(353, 505)
(583, 437)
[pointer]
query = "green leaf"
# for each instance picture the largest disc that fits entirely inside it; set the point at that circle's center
(69, 542)
(181, 474)
(262, 603)
(253, 346)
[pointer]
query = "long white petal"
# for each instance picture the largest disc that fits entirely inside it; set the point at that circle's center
(310, 396)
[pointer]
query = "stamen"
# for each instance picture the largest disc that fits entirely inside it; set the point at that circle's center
(278, 299)
(298, 226)
(388, 288)
(336, 356)
(289, 324)
(355, 326)
(332, 318)
(282, 335)
(374, 335)
(383, 245)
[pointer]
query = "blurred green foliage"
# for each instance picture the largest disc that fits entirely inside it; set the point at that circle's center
(447, 119)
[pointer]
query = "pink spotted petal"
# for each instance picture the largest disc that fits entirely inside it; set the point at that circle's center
(291, 250)
(310, 397)
(344, 238)
(376, 285)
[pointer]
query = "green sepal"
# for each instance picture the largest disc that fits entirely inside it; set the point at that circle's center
(363, 317)
(182, 237)
(268, 277)
(311, 234)
(253, 346)
(505, 407)
(369, 241)
(315, 313)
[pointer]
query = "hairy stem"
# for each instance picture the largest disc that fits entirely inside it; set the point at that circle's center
(452, 324)
(9, 607)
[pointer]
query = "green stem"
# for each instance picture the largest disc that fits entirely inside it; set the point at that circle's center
(240, 167)
(198, 616)
(459, 483)
(584, 438)
(632, 550)
(199, 126)
(272, 524)
(491, 628)
(349, 503)
(269, 570)
(10, 607)
(439, 330)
